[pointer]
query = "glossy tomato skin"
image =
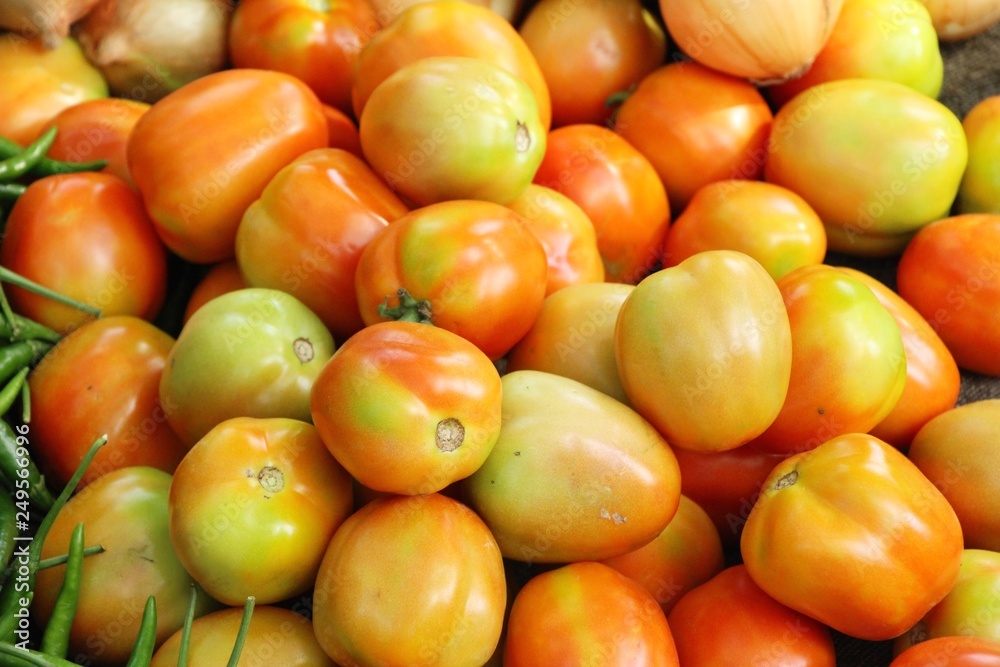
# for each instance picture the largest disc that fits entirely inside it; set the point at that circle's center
(424, 562)
(86, 236)
(472, 131)
(696, 126)
(220, 279)
(951, 652)
(613, 45)
(933, 381)
(305, 234)
(286, 341)
(949, 274)
(449, 28)
(574, 336)
(196, 189)
(265, 486)
(575, 475)
(583, 613)
(906, 154)
(887, 543)
(479, 266)
(38, 83)
(685, 555)
(315, 43)
(848, 360)
(103, 379)
(407, 407)
(125, 511)
(97, 130)
(979, 191)
(566, 233)
(956, 450)
(768, 222)
(709, 335)
(729, 620)
(274, 631)
(617, 188)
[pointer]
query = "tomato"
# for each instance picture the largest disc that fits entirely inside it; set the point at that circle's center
(848, 360)
(932, 378)
(587, 613)
(36, 83)
(957, 451)
(566, 233)
(315, 42)
(305, 234)
(951, 652)
(471, 131)
(125, 511)
(696, 126)
(343, 131)
(426, 563)
(573, 336)
(726, 485)
(895, 155)
(969, 608)
(729, 620)
(609, 45)
(407, 407)
(274, 631)
(476, 263)
(949, 274)
(875, 39)
(264, 347)
(686, 554)
(196, 190)
(257, 486)
(979, 191)
(87, 237)
(617, 188)
(97, 130)
(768, 222)
(447, 28)
(708, 336)
(852, 534)
(220, 279)
(574, 475)
(103, 379)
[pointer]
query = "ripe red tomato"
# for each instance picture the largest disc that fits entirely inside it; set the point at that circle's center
(951, 652)
(103, 379)
(587, 613)
(852, 534)
(696, 126)
(86, 236)
(407, 407)
(729, 620)
(476, 263)
(618, 189)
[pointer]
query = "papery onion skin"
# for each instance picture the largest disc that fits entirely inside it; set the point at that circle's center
(955, 20)
(48, 19)
(149, 48)
(763, 40)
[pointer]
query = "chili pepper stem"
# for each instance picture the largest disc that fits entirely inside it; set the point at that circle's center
(8, 276)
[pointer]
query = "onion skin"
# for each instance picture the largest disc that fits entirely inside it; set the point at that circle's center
(767, 41)
(48, 19)
(955, 20)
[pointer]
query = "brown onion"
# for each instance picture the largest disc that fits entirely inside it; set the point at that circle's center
(48, 19)
(958, 19)
(764, 40)
(148, 48)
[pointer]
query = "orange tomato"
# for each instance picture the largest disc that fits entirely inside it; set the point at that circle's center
(220, 279)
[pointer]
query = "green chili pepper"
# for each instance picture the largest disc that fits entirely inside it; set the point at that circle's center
(20, 355)
(11, 190)
(21, 657)
(55, 639)
(145, 642)
(10, 596)
(20, 164)
(47, 166)
(8, 528)
(53, 561)
(21, 470)
(11, 390)
(21, 328)
(241, 636)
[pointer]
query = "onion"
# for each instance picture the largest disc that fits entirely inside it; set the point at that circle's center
(148, 48)
(48, 19)
(764, 40)
(958, 19)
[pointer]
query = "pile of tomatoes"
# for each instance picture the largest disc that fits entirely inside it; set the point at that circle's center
(449, 337)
